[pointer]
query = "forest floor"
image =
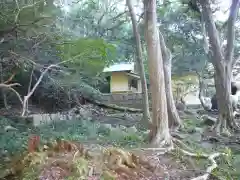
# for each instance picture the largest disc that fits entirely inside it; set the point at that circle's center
(83, 149)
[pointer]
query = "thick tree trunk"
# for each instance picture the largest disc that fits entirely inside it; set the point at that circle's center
(223, 91)
(174, 119)
(222, 61)
(139, 58)
(159, 133)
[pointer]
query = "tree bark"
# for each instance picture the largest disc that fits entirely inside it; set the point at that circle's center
(205, 106)
(3, 90)
(174, 119)
(159, 133)
(222, 62)
(139, 58)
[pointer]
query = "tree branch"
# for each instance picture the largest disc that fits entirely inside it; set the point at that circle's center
(231, 31)
(10, 79)
(25, 101)
(10, 86)
(212, 30)
(30, 93)
(140, 17)
(24, 7)
(119, 15)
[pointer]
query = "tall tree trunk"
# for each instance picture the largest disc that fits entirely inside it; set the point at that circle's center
(174, 119)
(223, 63)
(159, 133)
(3, 89)
(139, 58)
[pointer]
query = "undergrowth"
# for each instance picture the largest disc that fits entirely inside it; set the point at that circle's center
(75, 130)
(13, 142)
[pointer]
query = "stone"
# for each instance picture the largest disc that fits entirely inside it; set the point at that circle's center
(132, 129)
(122, 127)
(10, 128)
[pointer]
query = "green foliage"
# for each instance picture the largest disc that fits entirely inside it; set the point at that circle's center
(182, 32)
(85, 49)
(86, 59)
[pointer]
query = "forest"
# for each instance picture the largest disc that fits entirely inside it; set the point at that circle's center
(55, 123)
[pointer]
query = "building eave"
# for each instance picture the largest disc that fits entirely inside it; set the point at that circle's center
(133, 75)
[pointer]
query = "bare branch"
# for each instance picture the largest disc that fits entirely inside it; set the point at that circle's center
(118, 16)
(231, 31)
(100, 19)
(30, 93)
(29, 87)
(115, 26)
(25, 101)
(17, 4)
(140, 17)
(10, 87)
(10, 79)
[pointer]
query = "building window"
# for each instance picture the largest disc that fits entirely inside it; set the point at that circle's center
(133, 83)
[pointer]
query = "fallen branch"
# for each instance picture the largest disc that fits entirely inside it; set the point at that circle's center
(116, 107)
(26, 98)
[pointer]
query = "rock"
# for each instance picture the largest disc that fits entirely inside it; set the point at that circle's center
(208, 120)
(109, 126)
(199, 130)
(190, 112)
(9, 128)
(180, 106)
